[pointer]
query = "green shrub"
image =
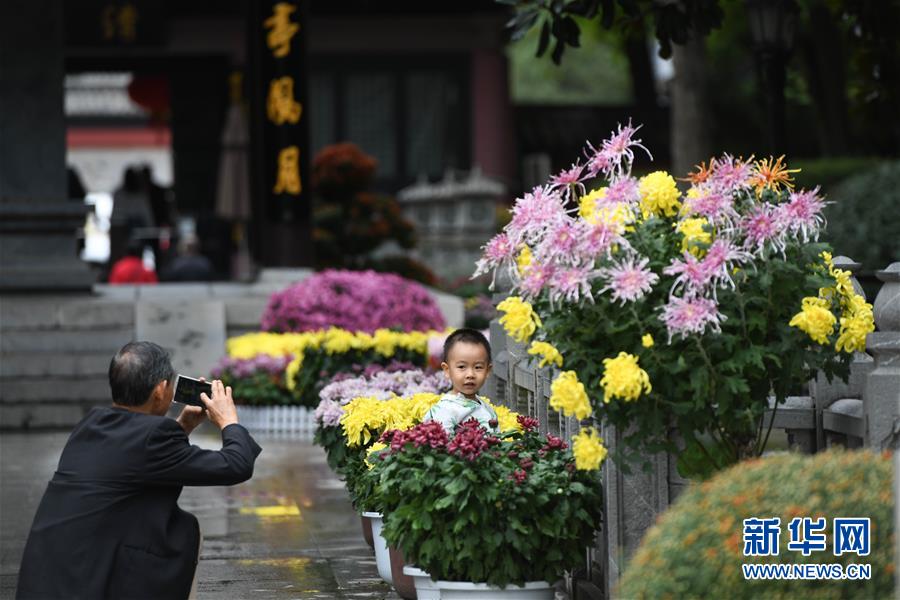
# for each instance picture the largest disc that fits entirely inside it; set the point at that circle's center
(863, 221)
(829, 172)
(696, 548)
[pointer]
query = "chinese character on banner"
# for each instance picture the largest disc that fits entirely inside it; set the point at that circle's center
(281, 29)
(807, 535)
(282, 107)
(851, 536)
(761, 536)
(288, 172)
(119, 22)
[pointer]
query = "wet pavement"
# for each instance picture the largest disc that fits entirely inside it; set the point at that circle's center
(290, 532)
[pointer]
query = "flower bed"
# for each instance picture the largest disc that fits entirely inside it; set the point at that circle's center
(363, 301)
(677, 311)
(481, 508)
(315, 357)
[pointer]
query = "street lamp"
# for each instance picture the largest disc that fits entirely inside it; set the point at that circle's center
(772, 26)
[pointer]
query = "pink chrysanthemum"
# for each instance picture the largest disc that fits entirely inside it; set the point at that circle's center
(497, 251)
(569, 180)
(699, 277)
(684, 316)
(615, 151)
(716, 206)
(571, 284)
(803, 214)
(628, 280)
(764, 225)
(536, 279)
(623, 191)
(533, 214)
(597, 239)
(730, 173)
(560, 242)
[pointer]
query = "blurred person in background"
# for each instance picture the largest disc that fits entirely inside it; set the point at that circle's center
(130, 268)
(189, 265)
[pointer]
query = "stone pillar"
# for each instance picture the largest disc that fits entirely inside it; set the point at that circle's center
(882, 393)
(37, 222)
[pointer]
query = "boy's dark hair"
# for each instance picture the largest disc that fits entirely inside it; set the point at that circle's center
(470, 336)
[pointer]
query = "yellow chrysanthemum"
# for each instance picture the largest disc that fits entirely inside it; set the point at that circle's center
(815, 319)
(361, 416)
(624, 378)
(587, 204)
(647, 340)
(567, 395)
(338, 341)
(290, 372)
(420, 404)
(507, 420)
(548, 353)
(857, 322)
(588, 449)
(519, 319)
(376, 447)
(385, 342)
(694, 233)
(659, 195)
(524, 260)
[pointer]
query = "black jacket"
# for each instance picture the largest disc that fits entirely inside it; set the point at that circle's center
(109, 525)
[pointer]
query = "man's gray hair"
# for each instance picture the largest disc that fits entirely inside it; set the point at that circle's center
(135, 370)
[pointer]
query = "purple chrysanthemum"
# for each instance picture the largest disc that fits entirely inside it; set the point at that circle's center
(803, 214)
(764, 225)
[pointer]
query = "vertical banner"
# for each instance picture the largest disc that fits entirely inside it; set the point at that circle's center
(282, 131)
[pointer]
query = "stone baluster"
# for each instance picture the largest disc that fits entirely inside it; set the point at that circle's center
(882, 392)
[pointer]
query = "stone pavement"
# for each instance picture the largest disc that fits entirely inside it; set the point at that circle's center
(289, 532)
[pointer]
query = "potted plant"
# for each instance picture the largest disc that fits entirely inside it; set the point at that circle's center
(680, 315)
(490, 516)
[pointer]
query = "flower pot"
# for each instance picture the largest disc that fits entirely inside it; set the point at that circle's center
(466, 590)
(426, 587)
(403, 583)
(382, 558)
(367, 530)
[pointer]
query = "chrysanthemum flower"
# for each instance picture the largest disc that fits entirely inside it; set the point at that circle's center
(536, 279)
(803, 214)
(694, 232)
(628, 280)
(549, 354)
(374, 448)
(533, 214)
(524, 260)
(815, 319)
(588, 449)
(730, 173)
(857, 322)
(568, 396)
(623, 378)
(615, 154)
(684, 316)
(659, 195)
(764, 226)
(647, 340)
(571, 283)
(519, 320)
(772, 174)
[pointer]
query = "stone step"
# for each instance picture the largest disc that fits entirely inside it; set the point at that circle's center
(36, 416)
(54, 364)
(26, 313)
(57, 389)
(99, 340)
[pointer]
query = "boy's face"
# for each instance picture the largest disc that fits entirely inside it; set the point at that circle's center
(467, 366)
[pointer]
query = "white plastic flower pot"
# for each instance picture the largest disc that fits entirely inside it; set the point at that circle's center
(382, 558)
(426, 587)
(465, 590)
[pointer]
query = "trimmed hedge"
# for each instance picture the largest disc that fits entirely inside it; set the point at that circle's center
(696, 548)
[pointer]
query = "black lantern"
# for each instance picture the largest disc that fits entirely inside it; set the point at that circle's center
(772, 26)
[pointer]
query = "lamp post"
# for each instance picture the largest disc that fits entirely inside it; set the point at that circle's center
(772, 27)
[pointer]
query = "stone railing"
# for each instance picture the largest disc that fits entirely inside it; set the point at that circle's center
(865, 411)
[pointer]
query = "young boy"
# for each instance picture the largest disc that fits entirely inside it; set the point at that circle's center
(467, 363)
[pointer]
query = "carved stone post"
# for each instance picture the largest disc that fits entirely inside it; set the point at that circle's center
(882, 392)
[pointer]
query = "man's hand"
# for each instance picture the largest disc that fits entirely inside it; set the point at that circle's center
(220, 407)
(190, 418)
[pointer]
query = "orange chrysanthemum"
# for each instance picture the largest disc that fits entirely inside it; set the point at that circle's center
(772, 174)
(702, 173)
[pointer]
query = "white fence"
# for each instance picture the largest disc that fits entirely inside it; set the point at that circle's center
(294, 422)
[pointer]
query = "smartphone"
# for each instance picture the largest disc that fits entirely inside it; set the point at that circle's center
(188, 390)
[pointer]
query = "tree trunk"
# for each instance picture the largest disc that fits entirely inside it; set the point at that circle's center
(690, 111)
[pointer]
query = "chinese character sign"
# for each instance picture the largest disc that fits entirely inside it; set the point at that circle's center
(281, 132)
(807, 536)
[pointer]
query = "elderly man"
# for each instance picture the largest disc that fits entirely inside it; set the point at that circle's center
(109, 525)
